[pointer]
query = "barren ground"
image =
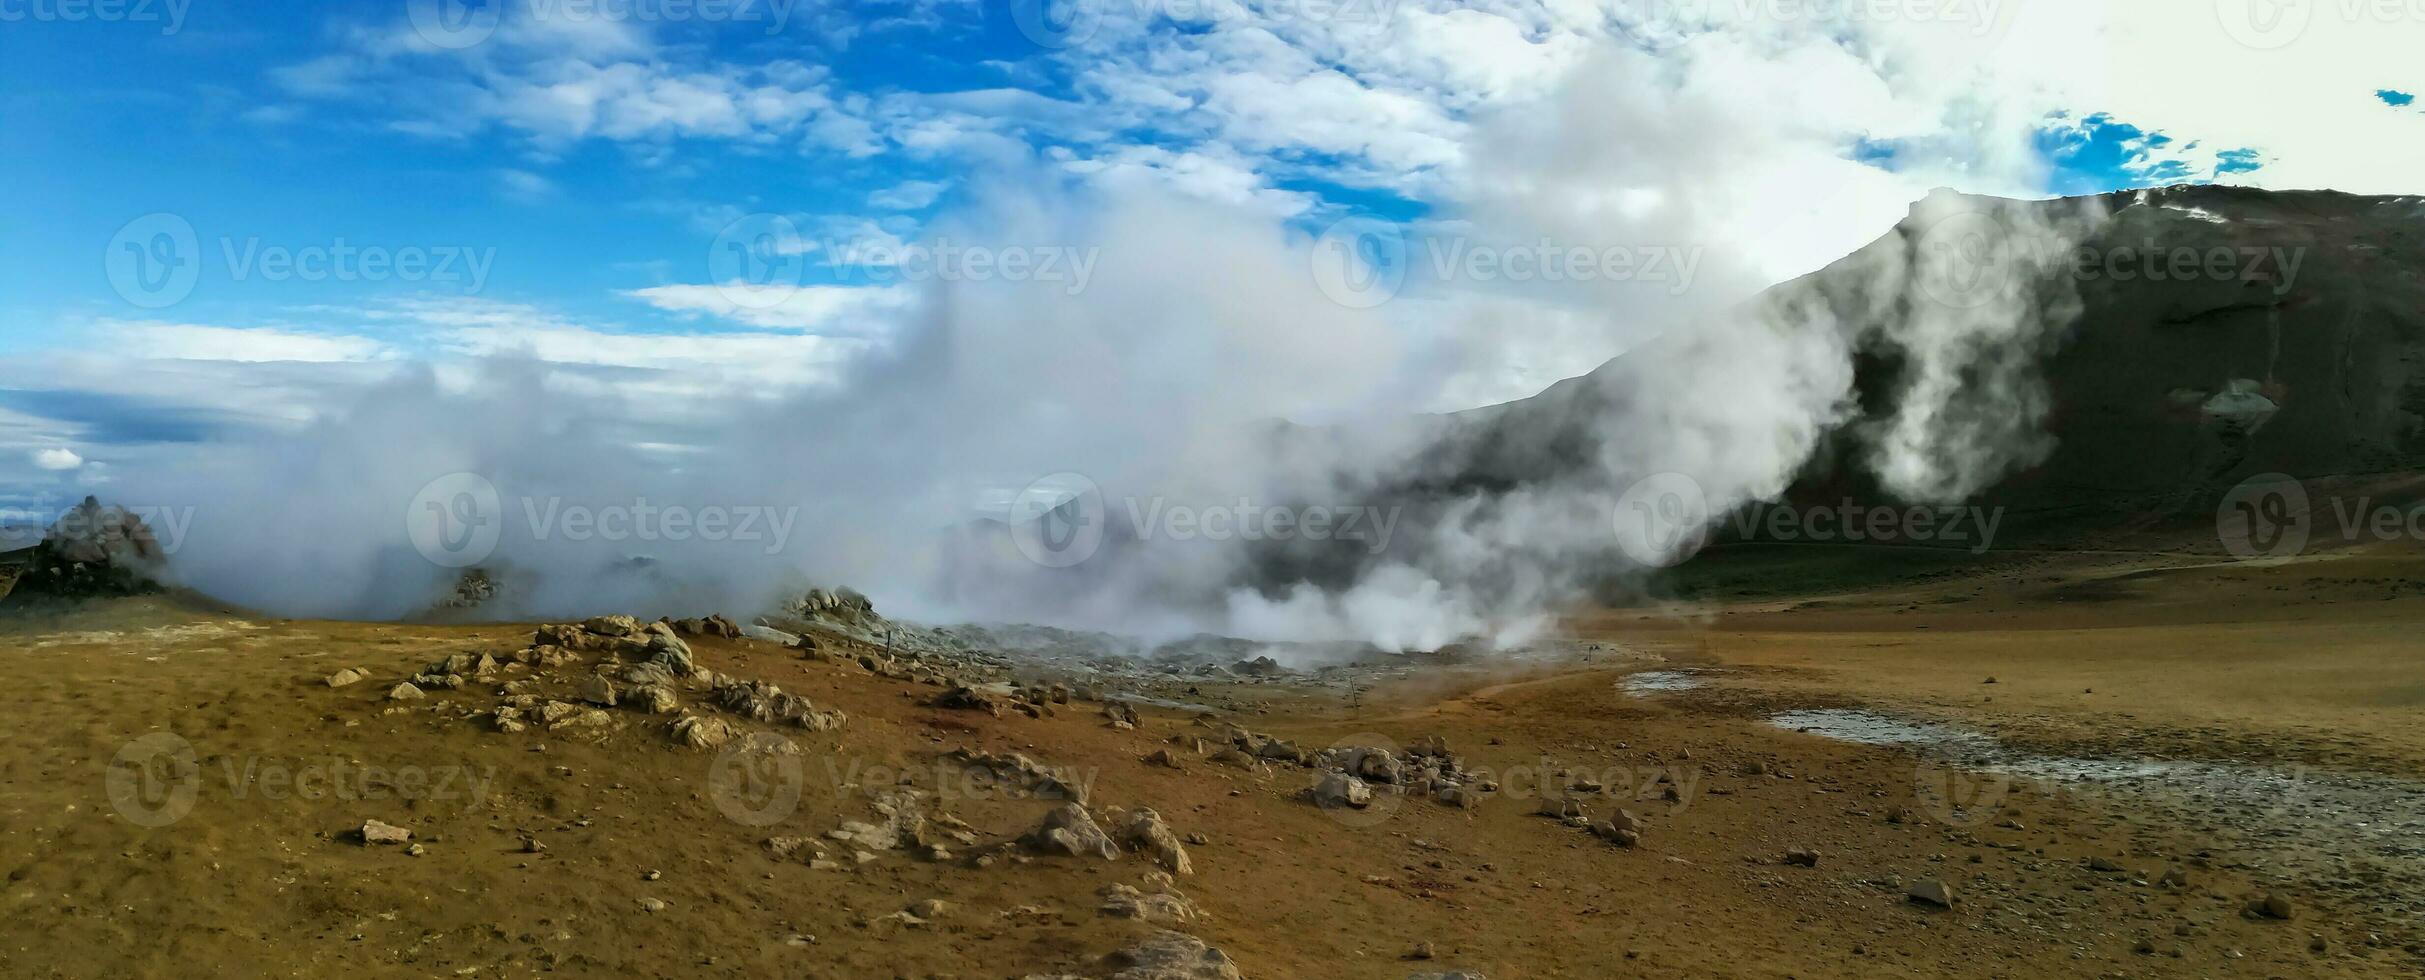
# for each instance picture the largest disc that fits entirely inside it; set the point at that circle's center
(2310, 670)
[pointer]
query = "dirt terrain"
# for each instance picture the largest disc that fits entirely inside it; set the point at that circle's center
(609, 846)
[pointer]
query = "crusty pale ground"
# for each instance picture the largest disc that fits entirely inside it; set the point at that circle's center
(2311, 661)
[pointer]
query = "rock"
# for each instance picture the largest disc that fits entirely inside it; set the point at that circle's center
(598, 691)
(611, 626)
(1069, 830)
(964, 698)
(1143, 830)
(1422, 951)
(766, 702)
(1173, 956)
(1046, 782)
(347, 676)
(2273, 905)
(1562, 808)
(1128, 903)
(768, 634)
(1802, 856)
(648, 904)
(404, 692)
(933, 908)
(2174, 878)
(2105, 865)
(1162, 758)
(1233, 758)
(377, 832)
(668, 651)
(1338, 789)
(1258, 667)
(1931, 891)
(531, 845)
(702, 731)
(656, 699)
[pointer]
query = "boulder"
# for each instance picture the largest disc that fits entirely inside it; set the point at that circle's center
(1173, 956)
(379, 832)
(702, 731)
(1127, 902)
(1338, 789)
(1068, 830)
(1143, 831)
(347, 676)
(1931, 891)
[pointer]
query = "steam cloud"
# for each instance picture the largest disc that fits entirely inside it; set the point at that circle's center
(1204, 366)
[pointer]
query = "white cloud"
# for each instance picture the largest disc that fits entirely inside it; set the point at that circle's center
(908, 195)
(152, 340)
(848, 310)
(56, 459)
(523, 186)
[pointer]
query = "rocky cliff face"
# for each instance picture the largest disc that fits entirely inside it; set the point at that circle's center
(2160, 345)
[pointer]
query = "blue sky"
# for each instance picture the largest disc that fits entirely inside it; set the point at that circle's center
(585, 164)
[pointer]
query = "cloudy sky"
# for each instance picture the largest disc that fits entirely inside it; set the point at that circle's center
(229, 219)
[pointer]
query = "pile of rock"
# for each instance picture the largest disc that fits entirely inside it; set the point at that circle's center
(1070, 831)
(609, 645)
(1045, 782)
(91, 551)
